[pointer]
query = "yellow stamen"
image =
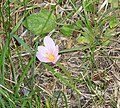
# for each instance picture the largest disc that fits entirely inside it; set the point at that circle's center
(50, 57)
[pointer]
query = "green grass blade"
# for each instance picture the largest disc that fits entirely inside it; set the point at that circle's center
(86, 17)
(23, 75)
(75, 49)
(13, 70)
(61, 78)
(6, 95)
(65, 99)
(23, 43)
(66, 73)
(2, 66)
(2, 102)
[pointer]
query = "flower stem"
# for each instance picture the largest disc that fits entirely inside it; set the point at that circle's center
(66, 73)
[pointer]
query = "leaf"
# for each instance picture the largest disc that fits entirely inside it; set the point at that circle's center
(75, 49)
(114, 3)
(90, 36)
(89, 6)
(12, 1)
(67, 30)
(108, 35)
(109, 32)
(79, 24)
(113, 22)
(20, 1)
(38, 23)
(23, 2)
(105, 42)
(82, 40)
(59, 76)
(23, 43)
(47, 104)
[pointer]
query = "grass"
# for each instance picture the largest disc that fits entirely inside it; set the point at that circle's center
(87, 74)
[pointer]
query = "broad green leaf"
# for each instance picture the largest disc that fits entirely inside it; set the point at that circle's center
(67, 30)
(108, 35)
(88, 35)
(82, 40)
(79, 24)
(105, 42)
(113, 22)
(37, 21)
(114, 3)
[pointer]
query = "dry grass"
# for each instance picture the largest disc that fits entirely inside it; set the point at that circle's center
(98, 80)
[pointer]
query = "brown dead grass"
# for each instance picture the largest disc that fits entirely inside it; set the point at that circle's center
(106, 76)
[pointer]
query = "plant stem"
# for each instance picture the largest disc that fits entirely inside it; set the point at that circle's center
(66, 73)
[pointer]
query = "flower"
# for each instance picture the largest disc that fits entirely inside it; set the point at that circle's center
(49, 52)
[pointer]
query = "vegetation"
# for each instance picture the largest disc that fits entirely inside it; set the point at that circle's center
(88, 71)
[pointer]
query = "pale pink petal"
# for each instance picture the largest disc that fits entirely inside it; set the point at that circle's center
(49, 43)
(42, 58)
(56, 59)
(48, 50)
(56, 51)
(43, 50)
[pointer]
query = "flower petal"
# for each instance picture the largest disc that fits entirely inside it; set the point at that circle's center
(56, 51)
(49, 43)
(42, 50)
(42, 58)
(56, 59)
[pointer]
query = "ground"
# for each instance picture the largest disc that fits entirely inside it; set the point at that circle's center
(92, 66)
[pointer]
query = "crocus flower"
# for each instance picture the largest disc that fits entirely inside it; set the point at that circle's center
(49, 52)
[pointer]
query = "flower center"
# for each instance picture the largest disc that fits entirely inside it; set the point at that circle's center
(50, 57)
